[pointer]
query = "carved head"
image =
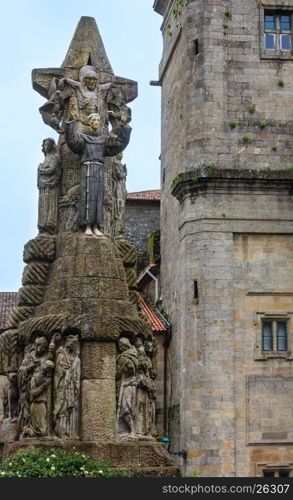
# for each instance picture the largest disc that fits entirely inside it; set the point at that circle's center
(89, 78)
(124, 344)
(49, 146)
(138, 342)
(71, 342)
(41, 345)
(149, 348)
(95, 122)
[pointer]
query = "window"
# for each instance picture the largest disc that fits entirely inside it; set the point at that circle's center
(274, 335)
(277, 31)
(276, 472)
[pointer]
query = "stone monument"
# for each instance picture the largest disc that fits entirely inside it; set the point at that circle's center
(78, 353)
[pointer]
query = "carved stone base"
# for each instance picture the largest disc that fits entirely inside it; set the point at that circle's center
(148, 456)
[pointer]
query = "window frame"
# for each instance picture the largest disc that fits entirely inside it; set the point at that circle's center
(273, 8)
(274, 469)
(273, 317)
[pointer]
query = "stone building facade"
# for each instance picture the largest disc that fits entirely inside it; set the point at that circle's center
(142, 218)
(226, 232)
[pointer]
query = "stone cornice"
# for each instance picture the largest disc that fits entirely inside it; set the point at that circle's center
(161, 6)
(227, 181)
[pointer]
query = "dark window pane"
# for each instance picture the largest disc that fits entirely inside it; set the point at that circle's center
(284, 473)
(285, 23)
(267, 335)
(285, 42)
(281, 335)
(270, 22)
(268, 473)
(270, 41)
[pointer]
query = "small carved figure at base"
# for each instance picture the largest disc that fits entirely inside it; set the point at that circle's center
(67, 388)
(127, 364)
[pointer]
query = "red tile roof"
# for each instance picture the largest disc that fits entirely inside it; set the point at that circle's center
(156, 323)
(152, 195)
(8, 300)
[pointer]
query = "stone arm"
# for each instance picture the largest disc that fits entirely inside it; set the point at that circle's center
(37, 391)
(51, 167)
(117, 142)
(73, 138)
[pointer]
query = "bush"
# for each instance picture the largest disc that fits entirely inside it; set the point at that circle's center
(57, 463)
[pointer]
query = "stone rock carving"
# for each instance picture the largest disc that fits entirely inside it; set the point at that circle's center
(39, 385)
(127, 364)
(49, 173)
(9, 352)
(142, 423)
(92, 147)
(119, 173)
(10, 397)
(24, 376)
(67, 388)
(151, 352)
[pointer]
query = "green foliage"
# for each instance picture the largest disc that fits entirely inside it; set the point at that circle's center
(281, 83)
(57, 463)
(274, 148)
(191, 474)
(291, 168)
(175, 179)
(224, 215)
(212, 165)
(263, 124)
(246, 138)
(233, 124)
(194, 179)
(225, 26)
(181, 116)
(251, 109)
(228, 13)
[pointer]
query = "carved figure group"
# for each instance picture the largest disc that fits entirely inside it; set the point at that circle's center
(44, 394)
(135, 388)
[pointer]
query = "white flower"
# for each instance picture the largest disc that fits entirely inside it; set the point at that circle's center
(23, 459)
(86, 472)
(53, 456)
(2, 473)
(83, 456)
(48, 459)
(10, 463)
(53, 468)
(100, 471)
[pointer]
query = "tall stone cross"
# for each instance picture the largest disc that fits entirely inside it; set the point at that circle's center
(86, 53)
(86, 48)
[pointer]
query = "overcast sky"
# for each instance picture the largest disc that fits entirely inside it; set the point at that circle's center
(37, 34)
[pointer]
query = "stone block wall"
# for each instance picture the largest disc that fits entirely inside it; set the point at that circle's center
(142, 218)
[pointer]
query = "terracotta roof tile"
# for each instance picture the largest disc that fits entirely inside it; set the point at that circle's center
(154, 320)
(8, 300)
(152, 195)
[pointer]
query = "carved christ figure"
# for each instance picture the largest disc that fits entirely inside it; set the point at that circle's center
(91, 148)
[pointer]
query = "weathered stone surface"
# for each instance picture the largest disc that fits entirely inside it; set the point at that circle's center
(98, 360)
(35, 273)
(98, 409)
(30, 295)
(19, 314)
(40, 248)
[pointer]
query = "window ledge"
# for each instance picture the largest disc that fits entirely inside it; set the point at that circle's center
(276, 54)
(260, 355)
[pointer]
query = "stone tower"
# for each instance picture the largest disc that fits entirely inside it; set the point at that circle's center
(227, 239)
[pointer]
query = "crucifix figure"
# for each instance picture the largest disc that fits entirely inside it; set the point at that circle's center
(85, 85)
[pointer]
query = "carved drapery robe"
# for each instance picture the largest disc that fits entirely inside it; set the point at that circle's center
(92, 149)
(48, 177)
